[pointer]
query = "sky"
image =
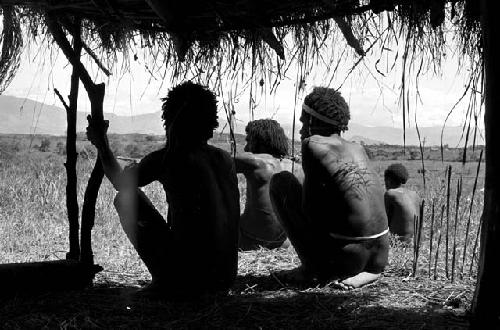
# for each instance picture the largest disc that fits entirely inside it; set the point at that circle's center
(373, 102)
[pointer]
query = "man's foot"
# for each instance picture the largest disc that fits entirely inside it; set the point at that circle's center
(356, 281)
(153, 290)
(286, 244)
(296, 276)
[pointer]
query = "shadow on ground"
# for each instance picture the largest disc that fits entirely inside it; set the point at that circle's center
(254, 302)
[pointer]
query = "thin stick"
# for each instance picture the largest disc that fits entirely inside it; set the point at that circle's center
(419, 220)
(91, 53)
(457, 209)
(431, 237)
(415, 249)
(438, 242)
(421, 151)
(420, 225)
(476, 241)
(447, 220)
(470, 214)
(61, 98)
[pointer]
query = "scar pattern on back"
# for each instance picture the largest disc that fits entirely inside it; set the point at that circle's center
(350, 177)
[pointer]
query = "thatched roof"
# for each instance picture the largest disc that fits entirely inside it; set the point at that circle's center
(220, 35)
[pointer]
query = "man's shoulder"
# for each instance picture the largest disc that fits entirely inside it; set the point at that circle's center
(406, 191)
(401, 192)
(332, 141)
(412, 194)
(267, 160)
(333, 145)
(258, 162)
(155, 155)
(391, 193)
(218, 152)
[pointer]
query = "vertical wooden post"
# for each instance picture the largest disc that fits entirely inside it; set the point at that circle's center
(71, 155)
(484, 305)
(96, 97)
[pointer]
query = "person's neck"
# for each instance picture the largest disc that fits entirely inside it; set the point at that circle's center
(326, 133)
(185, 146)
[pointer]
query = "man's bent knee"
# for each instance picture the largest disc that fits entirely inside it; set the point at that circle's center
(124, 199)
(126, 204)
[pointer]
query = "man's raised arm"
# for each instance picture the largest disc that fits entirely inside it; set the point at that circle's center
(246, 162)
(112, 169)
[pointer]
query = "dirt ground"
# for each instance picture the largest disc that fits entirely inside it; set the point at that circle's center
(257, 300)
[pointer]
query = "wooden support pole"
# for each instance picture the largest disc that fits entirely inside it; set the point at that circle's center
(63, 43)
(484, 306)
(71, 184)
(94, 183)
(72, 156)
(96, 96)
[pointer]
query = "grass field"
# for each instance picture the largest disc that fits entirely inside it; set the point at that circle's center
(33, 228)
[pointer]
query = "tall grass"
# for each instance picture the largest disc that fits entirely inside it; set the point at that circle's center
(33, 218)
(459, 208)
(33, 225)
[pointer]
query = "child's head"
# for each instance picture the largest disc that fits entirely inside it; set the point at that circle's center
(395, 175)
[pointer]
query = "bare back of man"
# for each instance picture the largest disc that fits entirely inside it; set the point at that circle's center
(258, 223)
(337, 216)
(194, 251)
(196, 248)
(402, 206)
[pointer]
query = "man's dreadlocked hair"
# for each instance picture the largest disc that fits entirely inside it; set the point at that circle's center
(329, 103)
(269, 136)
(397, 172)
(189, 114)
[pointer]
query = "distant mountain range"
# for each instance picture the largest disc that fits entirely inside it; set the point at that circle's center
(25, 116)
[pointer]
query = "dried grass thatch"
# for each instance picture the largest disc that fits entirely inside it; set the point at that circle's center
(256, 42)
(218, 38)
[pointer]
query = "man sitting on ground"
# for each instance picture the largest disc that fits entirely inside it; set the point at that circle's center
(401, 204)
(195, 250)
(336, 219)
(265, 152)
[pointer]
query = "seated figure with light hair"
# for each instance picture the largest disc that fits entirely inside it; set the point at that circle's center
(336, 219)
